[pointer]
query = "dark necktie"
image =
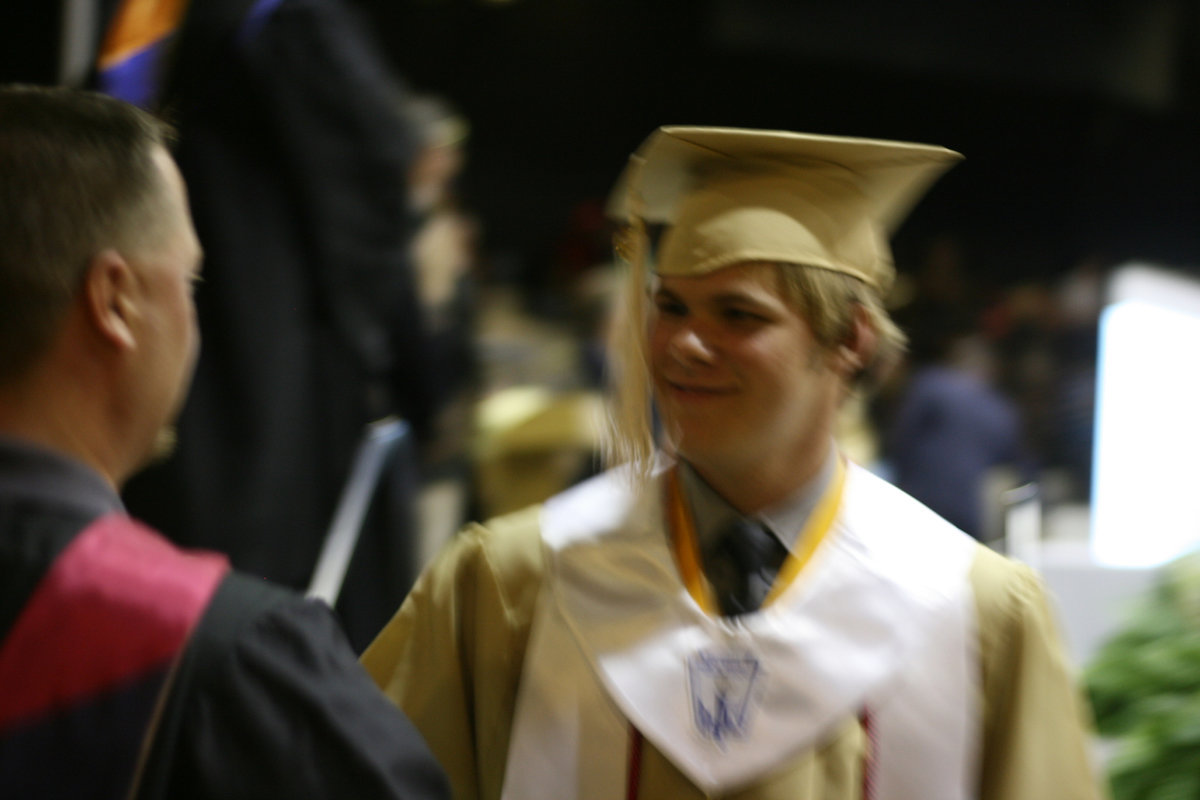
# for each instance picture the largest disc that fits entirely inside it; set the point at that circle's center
(741, 564)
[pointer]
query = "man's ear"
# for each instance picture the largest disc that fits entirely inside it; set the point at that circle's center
(108, 295)
(857, 350)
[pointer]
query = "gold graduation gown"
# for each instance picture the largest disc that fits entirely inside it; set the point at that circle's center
(454, 658)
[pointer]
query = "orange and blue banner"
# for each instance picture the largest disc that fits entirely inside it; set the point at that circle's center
(133, 56)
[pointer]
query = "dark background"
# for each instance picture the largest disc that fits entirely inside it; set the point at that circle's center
(1078, 119)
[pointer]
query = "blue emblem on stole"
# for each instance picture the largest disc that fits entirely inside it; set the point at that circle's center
(723, 691)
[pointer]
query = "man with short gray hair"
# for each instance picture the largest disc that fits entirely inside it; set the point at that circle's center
(130, 668)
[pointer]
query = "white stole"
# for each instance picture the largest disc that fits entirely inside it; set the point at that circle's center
(882, 618)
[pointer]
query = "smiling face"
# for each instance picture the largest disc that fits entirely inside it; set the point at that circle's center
(739, 379)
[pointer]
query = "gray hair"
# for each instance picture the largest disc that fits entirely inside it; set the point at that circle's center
(78, 176)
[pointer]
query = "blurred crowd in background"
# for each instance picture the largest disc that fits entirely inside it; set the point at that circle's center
(349, 278)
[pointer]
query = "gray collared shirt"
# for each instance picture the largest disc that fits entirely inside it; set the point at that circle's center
(786, 519)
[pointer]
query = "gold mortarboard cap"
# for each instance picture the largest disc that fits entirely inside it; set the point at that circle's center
(734, 195)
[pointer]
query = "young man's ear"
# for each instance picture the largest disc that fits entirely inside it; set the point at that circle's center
(857, 350)
(108, 295)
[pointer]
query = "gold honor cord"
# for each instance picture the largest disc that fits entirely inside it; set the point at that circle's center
(815, 531)
(687, 552)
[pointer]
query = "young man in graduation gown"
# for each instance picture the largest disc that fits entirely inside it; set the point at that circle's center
(746, 613)
(130, 668)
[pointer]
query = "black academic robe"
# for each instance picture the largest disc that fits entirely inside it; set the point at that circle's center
(267, 700)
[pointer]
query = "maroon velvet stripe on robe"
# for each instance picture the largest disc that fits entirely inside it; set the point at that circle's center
(83, 667)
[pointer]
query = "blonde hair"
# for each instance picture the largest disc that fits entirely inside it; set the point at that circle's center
(628, 435)
(825, 298)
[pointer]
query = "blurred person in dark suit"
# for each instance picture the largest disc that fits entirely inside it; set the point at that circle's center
(297, 158)
(951, 428)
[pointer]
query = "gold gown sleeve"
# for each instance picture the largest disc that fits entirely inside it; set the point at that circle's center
(451, 656)
(1037, 730)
